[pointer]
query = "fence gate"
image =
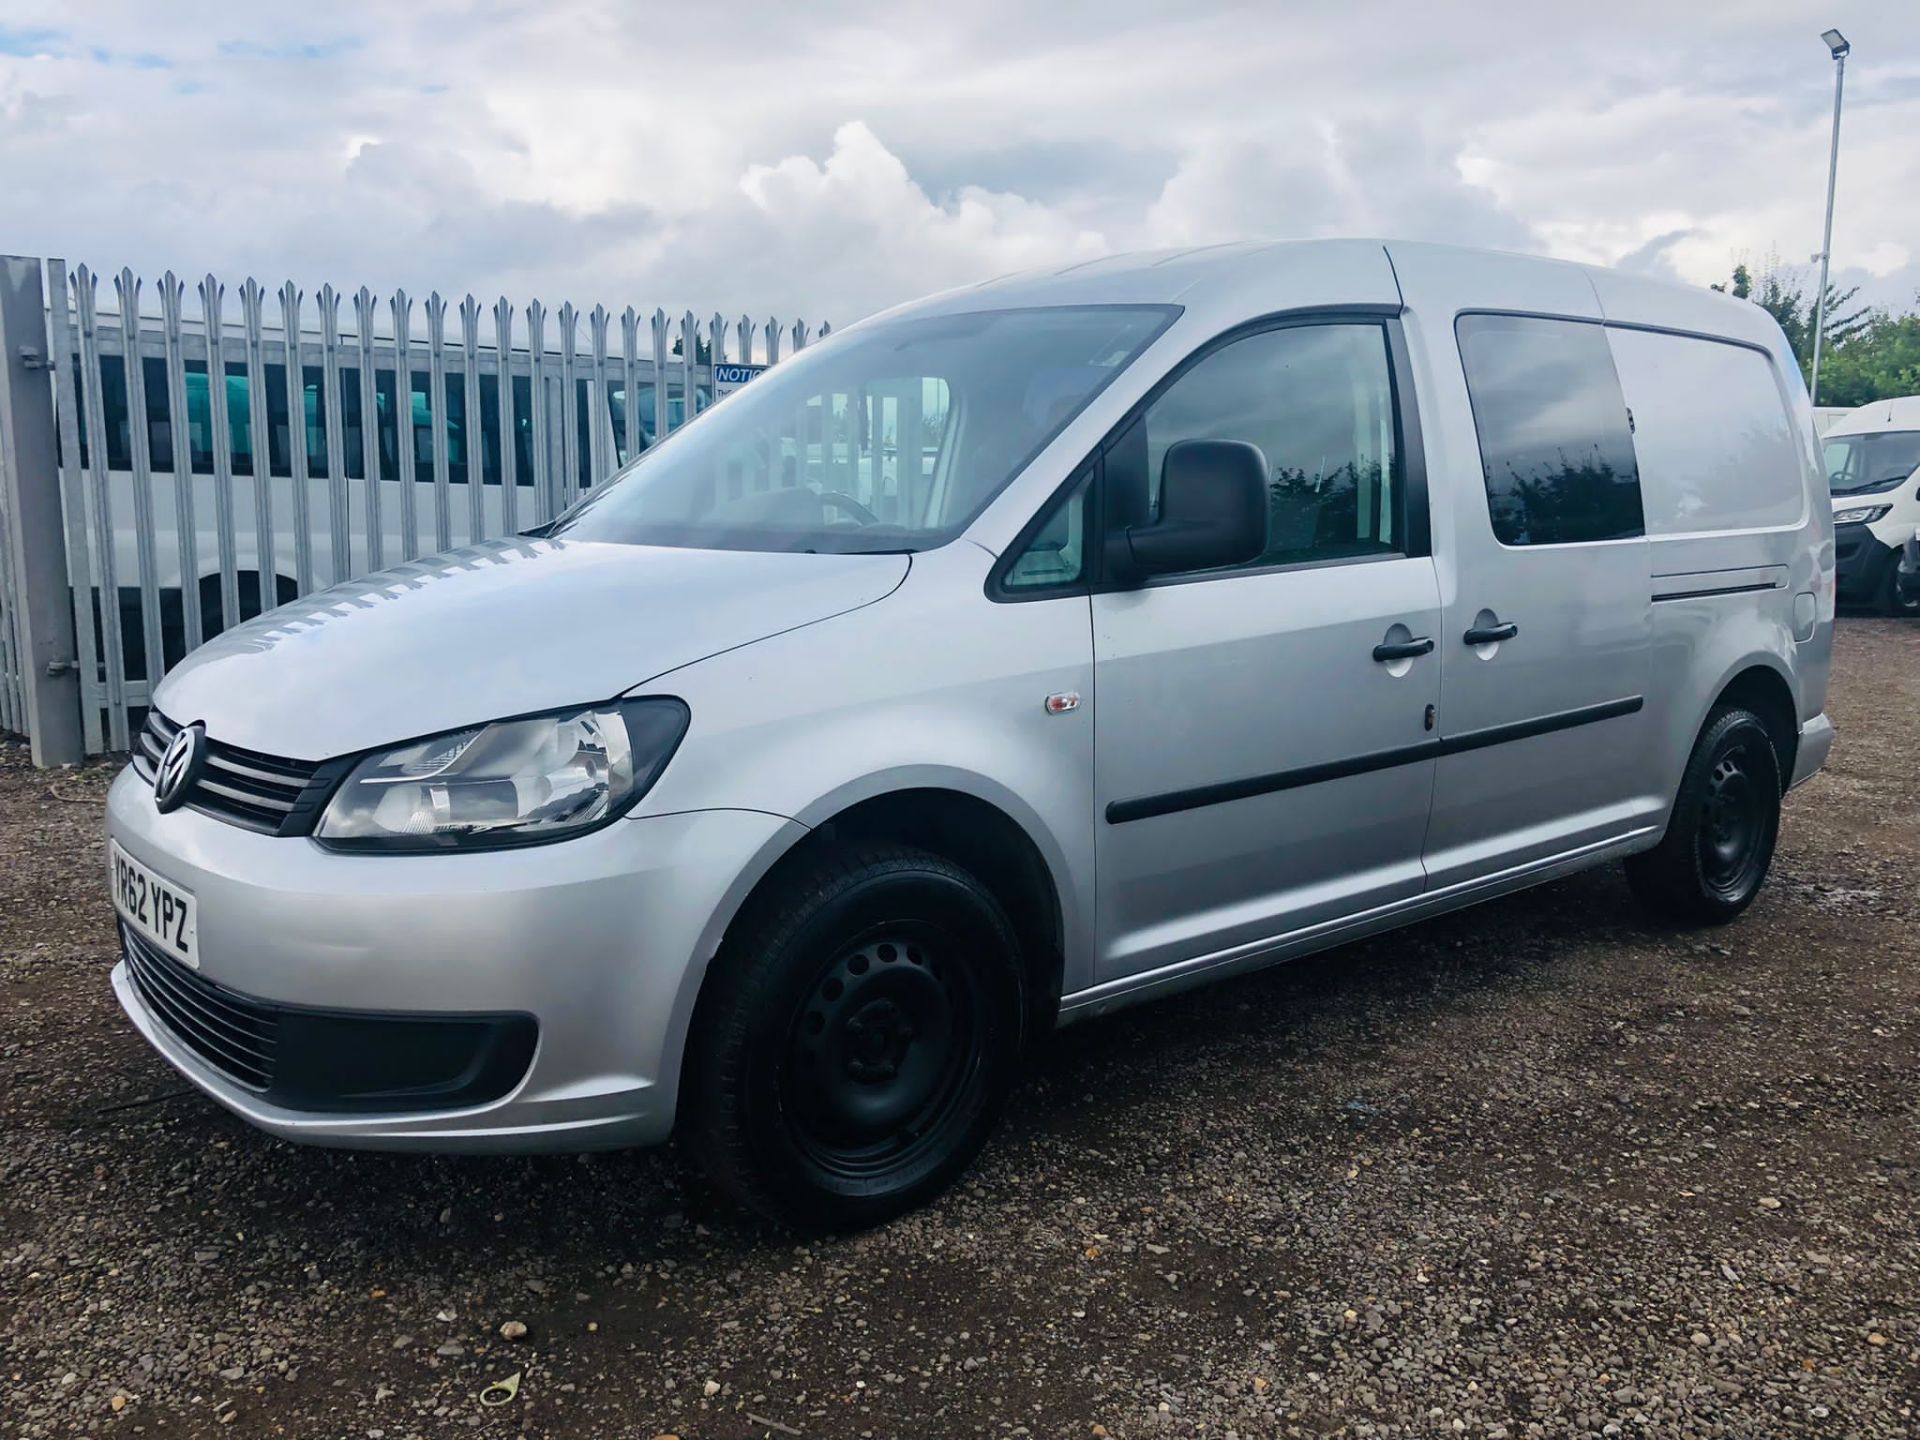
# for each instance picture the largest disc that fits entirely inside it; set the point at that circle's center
(187, 455)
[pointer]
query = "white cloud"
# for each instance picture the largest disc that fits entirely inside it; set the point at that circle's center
(858, 226)
(830, 159)
(1323, 179)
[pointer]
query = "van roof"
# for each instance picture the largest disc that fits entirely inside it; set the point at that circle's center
(1899, 413)
(1258, 275)
(1181, 275)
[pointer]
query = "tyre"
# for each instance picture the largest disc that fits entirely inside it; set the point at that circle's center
(1720, 837)
(855, 1048)
(1891, 600)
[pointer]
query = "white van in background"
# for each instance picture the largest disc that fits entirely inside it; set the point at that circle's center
(1872, 459)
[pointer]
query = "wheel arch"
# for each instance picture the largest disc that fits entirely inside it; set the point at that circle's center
(1763, 685)
(973, 831)
(988, 842)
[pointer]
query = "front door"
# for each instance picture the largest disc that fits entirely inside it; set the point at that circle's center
(1261, 742)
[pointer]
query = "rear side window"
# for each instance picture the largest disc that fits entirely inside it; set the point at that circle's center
(1716, 448)
(1555, 444)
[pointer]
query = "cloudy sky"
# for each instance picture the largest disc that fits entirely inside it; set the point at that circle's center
(829, 158)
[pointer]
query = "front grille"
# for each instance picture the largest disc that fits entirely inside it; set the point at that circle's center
(302, 1057)
(235, 1035)
(266, 793)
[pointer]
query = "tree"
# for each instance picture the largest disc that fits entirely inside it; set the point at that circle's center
(1742, 283)
(1782, 293)
(1877, 361)
(1869, 354)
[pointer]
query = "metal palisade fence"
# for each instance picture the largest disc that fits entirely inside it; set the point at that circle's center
(194, 455)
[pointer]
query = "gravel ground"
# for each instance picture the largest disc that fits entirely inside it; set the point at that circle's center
(1542, 1168)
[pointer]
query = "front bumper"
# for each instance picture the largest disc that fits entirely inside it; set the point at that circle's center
(602, 939)
(1861, 560)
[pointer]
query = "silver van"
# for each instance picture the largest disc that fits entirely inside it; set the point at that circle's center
(1013, 655)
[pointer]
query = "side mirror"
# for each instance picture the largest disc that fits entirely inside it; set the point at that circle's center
(1213, 512)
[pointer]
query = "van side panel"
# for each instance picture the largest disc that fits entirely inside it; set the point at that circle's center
(1639, 301)
(1733, 526)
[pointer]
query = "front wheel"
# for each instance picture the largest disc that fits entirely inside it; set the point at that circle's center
(1895, 601)
(858, 1043)
(1720, 837)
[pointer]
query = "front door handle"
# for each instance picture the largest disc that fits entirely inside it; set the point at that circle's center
(1403, 649)
(1491, 634)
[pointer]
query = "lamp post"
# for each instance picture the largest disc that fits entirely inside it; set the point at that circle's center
(1838, 46)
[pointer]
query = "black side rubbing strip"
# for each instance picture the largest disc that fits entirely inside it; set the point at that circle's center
(1714, 590)
(1145, 807)
(1540, 725)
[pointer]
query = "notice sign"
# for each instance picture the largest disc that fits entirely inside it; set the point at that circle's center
(728, 378)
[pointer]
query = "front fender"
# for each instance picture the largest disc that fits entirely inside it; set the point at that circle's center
(934, 687)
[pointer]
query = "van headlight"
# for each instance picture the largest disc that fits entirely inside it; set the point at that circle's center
(514, 782)
(1861, 515)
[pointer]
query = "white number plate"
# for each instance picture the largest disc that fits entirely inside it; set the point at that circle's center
(157, 908)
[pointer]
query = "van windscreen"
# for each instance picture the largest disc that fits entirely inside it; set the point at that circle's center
(1862, 464)
(889, 437)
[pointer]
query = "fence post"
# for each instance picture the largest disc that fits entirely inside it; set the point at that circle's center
(35, 526)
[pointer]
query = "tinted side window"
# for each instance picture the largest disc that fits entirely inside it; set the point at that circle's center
(1318, 401)
(1715, 444)
(1555, 443)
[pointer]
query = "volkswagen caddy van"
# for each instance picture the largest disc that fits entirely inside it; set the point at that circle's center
(1872, 457)
(1014, 655)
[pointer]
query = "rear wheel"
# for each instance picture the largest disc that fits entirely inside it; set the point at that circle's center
(1726, 818)
(858, 1044)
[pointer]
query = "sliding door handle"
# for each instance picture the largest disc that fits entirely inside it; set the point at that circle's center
(1491, 634)
(1403, 649)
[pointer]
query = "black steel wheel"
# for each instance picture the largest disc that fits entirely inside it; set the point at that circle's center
(880, 1054)
(1725, 821)
(1733, 834)
(853, 1052)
